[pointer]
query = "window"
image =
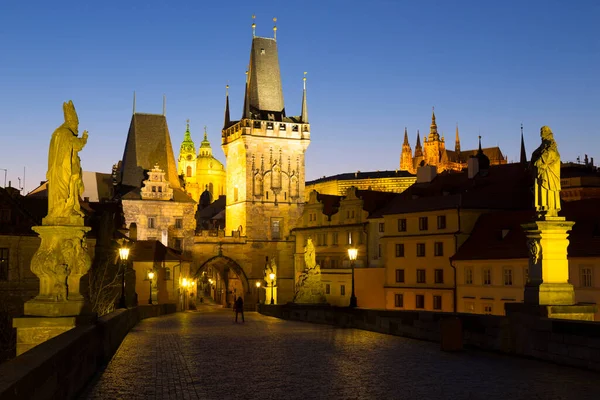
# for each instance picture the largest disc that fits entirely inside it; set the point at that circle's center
(420, 301)
(487, 276)
(334, 263)
(420, 249)
(275, 233)
(437, 302)
(421, 276)
(468, 275)
(321, 239)
(327, 288)
(343, 290)
(178, 223)
(441, 222)
(399, 276)
(334, 238)
(439, 276)
(381, 227)
(469, 306)
(400, 250)
(379, 251)
(508, 276)
(487, 308)
(399, 300)
(586, 277)
(349, 237)
(177, 243)
(160, 189)
(167, 274)
(154, 189)
(438, 249)
(267, 194)
(423, 223)
(3, 264)
(151, 223)
(189, 171)
(402, 225)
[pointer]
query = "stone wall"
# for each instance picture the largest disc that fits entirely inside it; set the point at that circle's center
(61, 367)
(573, 343)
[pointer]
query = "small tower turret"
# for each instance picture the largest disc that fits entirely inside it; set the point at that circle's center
(406, 159)
(187, 155)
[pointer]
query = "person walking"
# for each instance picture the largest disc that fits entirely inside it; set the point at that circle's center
(239, 308)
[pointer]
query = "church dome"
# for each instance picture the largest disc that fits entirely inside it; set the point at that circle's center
(209, 162)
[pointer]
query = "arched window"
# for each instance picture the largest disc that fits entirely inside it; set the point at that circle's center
(189, 170)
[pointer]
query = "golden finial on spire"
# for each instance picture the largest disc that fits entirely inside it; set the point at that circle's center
(304, 80)
(226, 90)
(275, 28)
(253, 25)
(204, 132)
(188, 123)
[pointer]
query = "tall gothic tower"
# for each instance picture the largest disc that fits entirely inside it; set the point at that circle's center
(406, 159)
(265, 152)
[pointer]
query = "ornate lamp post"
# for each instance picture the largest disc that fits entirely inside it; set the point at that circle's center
(257, 292)
(123, 255)
(272, 277)
(150, 277)
(352, 254)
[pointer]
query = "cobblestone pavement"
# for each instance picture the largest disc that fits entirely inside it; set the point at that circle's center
(205, 355)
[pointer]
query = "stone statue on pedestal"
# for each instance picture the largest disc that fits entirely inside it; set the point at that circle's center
(309, 288)
(545, 163)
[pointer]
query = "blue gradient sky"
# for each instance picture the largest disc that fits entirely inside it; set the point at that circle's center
(373, 68)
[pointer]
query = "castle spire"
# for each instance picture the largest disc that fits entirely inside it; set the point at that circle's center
(457, 142)
(134, 101)
(227, 118)
(304, 116)
(405, 137)
(418, 140)
(433, 133)
(187, 146)
(523, 153)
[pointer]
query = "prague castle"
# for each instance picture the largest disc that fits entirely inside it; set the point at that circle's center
(433, 152)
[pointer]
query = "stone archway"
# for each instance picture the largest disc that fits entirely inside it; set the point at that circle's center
(224, 288)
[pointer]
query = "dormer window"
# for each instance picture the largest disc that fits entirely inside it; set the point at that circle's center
(262, 51)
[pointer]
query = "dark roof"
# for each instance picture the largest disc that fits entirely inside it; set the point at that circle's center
(265, 92)
(373, 200)
(363, 175)
(572, 170)
(179, 195)
(154, 250)
(331, 203)
(499, 235)
(505, 186)
(212, 209)
(148, 144)
(493, 153)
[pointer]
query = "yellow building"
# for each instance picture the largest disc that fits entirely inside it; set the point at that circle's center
(336, 223)
(202, 172)
(424, 226)
(381, 181)
(492, 265)
(434, 152)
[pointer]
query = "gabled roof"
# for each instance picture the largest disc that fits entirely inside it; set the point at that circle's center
(363, 175)
(154, 250)
(505, 186)
(499, 236)
(179, 196)
(331, 203)
(148, 144)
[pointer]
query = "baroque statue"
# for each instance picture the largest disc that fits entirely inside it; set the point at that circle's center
(545, 162)
(65, 180)
(309, 288)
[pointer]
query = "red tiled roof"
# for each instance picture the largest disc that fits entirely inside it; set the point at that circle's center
(498, 235)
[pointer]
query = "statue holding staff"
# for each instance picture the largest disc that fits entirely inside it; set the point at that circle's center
(545, 162)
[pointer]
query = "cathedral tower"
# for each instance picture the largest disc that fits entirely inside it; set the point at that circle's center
(265, 152)
(187, 159)
(406, 159)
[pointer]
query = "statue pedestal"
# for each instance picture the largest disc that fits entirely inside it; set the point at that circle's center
(59, 263)
(548, 292)
(310, 289)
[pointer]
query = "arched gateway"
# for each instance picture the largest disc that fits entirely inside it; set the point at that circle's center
(222, 279)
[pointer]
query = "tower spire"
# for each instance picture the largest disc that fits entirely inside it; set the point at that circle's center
(246, 113)
(253, 25)
(227, 118)
(134, 101)
(164, 104)
(275, 28)
(205, 135)
(433, 133)
(523, 159)
(457, 141)
(406, 137)
(304, 116)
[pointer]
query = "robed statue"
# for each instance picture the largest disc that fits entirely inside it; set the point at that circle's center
(309, 255)
(65, 181)
(309, 288)
(545, 162)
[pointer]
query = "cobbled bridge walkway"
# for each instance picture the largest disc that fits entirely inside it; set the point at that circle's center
(205, 355)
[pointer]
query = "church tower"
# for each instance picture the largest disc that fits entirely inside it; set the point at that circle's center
(406, 160)
(187, 160)
(433, 144)
(418, 152)
(265, 152)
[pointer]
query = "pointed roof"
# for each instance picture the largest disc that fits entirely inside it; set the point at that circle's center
(418, 140)
(406, 138)
(523, 159)
(205, 143)
(227, 118)
(148, 143)
(187, 146)
(433, 133)
(263, 90)
(304, 115)
(457, 141)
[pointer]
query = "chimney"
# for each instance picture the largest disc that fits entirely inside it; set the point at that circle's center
(473, 167)
(426, 173)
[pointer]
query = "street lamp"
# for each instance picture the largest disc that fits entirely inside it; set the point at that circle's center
(150, 277)
(272, 277)
(352, 254)
(257, 292)
(123, 254)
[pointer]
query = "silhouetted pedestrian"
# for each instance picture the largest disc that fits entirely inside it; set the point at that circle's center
(239, 308)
